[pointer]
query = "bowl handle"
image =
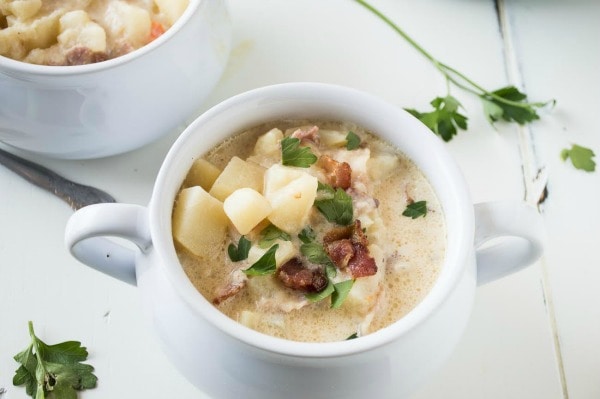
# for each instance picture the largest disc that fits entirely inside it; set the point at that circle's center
(508, 237)
(87, 231)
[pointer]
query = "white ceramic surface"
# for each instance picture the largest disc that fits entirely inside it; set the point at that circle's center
(227, 360)
(118, 105)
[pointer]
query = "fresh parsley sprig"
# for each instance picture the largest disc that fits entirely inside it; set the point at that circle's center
(53, 370)
(507, 103)
(335, 205)
(265, 265)
(241, 251)
(270, 234)
(294, 155)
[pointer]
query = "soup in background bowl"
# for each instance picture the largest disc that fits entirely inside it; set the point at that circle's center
(227, 359)
(120, 104)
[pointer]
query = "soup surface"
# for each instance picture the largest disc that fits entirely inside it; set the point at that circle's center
(75, 32)
(309, 231)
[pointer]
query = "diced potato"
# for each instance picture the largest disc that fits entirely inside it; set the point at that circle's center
(24, 9)
(172, 9)
(202, 173)
(383, 165)
(332, 138)
(285, 252)
(199, 222)
(246, 208)
(269, 142)
(357, 159)
(292, 194)
(129, 22)
(238, 174)
(77, 29)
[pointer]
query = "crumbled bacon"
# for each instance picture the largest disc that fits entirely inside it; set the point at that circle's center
(339, 174)
(307, 133)
(84, 55)
(348, 248)
(295, 275)
(235, 285)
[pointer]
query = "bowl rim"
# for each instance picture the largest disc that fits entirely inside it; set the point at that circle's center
(12, 66)
(455, 262)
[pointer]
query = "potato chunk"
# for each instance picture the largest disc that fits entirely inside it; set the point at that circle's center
(199, 222)
(332, 138)
(172, 9)
(129, 22)
(77, 29)
(291, 193)
(237, 174)
(269, 142)
(202, 173)
(383, 165)
(246, 208)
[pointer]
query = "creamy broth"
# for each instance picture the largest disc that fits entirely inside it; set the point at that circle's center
(75, 32)
(408, 252)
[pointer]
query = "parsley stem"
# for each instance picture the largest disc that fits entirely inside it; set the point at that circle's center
(35, 344)
(449, 73)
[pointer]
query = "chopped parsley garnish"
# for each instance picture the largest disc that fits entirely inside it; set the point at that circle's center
(307, 235)
(416, 209)
(315, 253)
(294, 155)
(335, 205)
(265, 265)
(341, 291)
(319, 296)
(53, 370)
(239, 252)
(352, 141)
(353, 336)
(581, 157)
(270, 234)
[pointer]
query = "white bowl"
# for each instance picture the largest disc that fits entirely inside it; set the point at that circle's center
(102, 109)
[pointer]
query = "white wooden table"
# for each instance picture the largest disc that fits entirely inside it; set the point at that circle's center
(535, 334)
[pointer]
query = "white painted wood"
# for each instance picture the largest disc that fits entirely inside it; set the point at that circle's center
(509, 348)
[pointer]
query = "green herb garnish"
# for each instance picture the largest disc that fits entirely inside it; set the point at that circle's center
(319, 296)
(416, 209)
(580, 157)
(315, 253)
(307, 235)
(53, 371)
(270, 234)
(341, 291)
(294, 155)
(444, 119)
(352, 141)
(265, 265)
(353, 336)
(241, 251)
(335, 205)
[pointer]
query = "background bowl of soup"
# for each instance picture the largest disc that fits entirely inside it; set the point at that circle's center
(227, 359)
(108, 95)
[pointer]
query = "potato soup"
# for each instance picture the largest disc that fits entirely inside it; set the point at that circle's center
(76, 32)
(309, 231)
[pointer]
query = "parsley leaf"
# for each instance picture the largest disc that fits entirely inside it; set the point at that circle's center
(514, 109)
(352, 141)
(581, 157)
(319, 296)
(294, 155)
(241, 251)
(265, 265)
(341, 291)
(315, 253)
(353, 336)
(444, 119)
(270, 234)
(307, 235)
(53, 369)
(416, 209)
(335, 205)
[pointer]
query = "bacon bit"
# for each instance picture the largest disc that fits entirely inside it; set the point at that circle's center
(293, 274)
(84, 55)
(238, 281)
(339, 174)
(156, 29)
(348, 248)
(307, 134)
